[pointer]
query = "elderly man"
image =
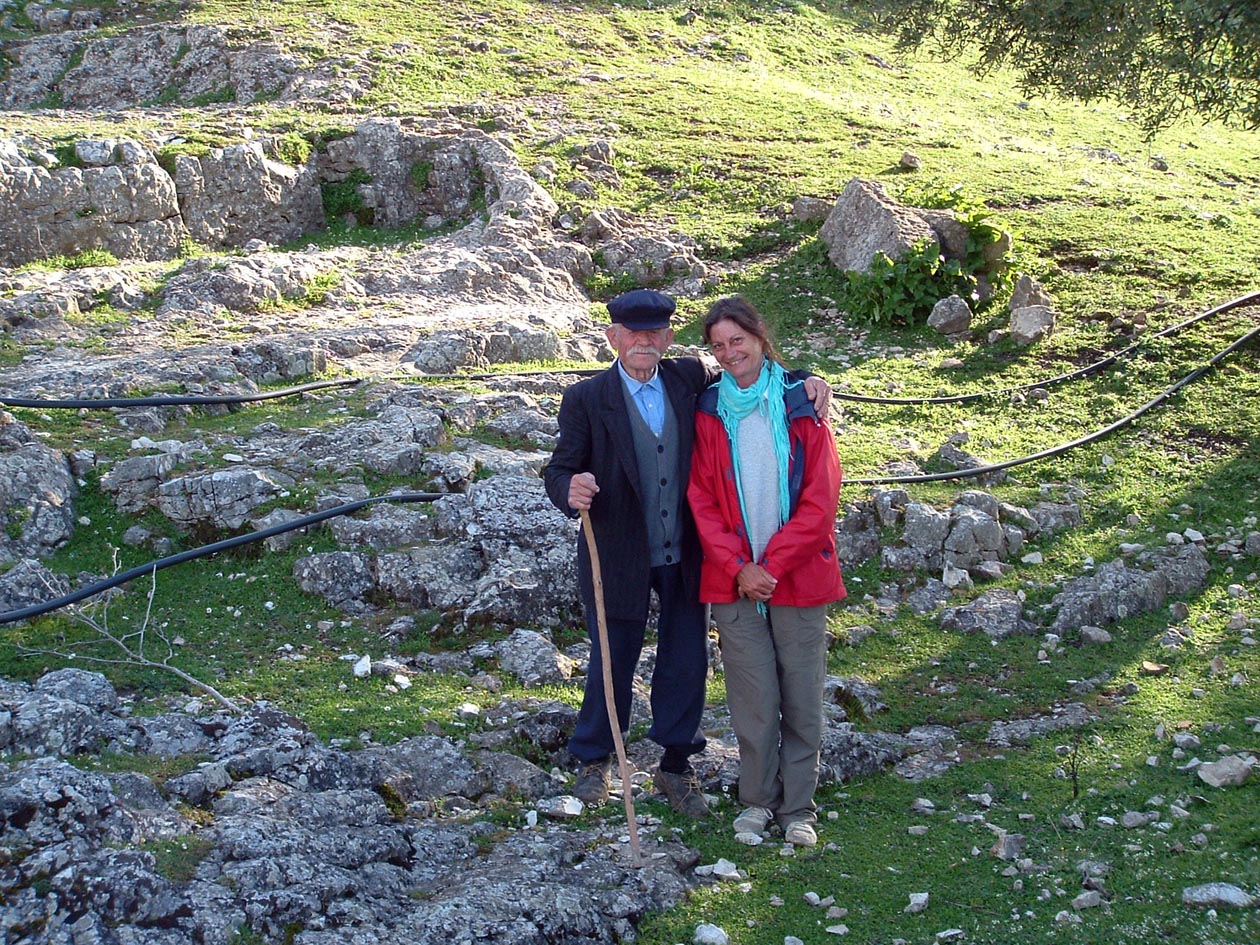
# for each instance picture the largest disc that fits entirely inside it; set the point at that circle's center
(624, 454)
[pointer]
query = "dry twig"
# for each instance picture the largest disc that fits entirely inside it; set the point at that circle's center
(131, 644)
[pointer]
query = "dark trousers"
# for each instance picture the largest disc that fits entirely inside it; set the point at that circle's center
(682, 663)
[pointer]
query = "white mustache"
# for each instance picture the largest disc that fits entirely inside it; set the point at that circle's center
(639, 349)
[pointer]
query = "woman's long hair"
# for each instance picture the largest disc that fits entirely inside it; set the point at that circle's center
(739, 310)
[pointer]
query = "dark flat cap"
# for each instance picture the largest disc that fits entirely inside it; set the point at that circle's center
(642, 309)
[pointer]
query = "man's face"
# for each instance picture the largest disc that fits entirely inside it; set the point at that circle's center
(639, 351)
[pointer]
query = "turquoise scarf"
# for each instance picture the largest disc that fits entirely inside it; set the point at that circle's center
(764, 395)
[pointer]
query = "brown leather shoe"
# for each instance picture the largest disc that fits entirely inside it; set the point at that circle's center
(593, 780)
(682, 791)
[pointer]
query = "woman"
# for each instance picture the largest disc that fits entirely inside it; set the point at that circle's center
(764, 487)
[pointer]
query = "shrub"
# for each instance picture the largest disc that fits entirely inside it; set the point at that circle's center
(291, 148)
(342, 199)
(167, 153)
(67, 156)
(189, 248)
(83, 260)
(321, 137)
(220, 96)
(903, 291)
(972, 213)
(92, 257)
(419, 174)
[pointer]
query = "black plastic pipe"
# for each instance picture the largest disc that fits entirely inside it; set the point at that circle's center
(36, 610)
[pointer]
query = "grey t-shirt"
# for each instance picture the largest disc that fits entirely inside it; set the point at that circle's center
(759, 477)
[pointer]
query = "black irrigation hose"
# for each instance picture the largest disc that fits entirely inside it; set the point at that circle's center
(1240, 302)
(1063, 448)
(173, 400)
(153, 567)
(492, 375)
(36, 610)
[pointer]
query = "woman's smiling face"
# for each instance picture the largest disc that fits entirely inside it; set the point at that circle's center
(739, 352)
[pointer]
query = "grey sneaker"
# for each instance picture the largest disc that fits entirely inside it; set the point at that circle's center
(683, 792)
(591, 786)
(800, 834)
(753, 820)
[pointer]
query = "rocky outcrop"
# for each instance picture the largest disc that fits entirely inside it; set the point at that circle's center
(232, 195)
(117, 196)
(976, 534)
(36, 494)
(167, 64)
(281, 832)
(118, 201)
(865, 222)
(1118, 590)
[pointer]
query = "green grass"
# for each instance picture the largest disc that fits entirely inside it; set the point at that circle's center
(717, 125)
(83, 260)
(177, 859)
(870, 864)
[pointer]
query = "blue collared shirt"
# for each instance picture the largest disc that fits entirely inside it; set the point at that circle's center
(649, 397)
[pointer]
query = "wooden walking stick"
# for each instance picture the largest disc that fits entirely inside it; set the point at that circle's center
(610, 699)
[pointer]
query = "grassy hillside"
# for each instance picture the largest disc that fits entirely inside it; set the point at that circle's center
(720, 115)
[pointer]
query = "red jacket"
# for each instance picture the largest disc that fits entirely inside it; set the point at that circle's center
(801, 554)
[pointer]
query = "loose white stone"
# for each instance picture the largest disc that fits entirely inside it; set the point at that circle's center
(1228, 772)
(1094, 635)
(1212, 895)
(363, 667)
(564, 807)
(918, 902)
(1091, 899)
(707, 934)
(725, 869)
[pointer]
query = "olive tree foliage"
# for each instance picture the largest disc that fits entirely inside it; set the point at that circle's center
(1161, 58)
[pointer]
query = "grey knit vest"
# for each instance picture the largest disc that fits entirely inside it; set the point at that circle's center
(660, 481)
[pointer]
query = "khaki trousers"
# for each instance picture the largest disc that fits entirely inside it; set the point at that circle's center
(774, 684)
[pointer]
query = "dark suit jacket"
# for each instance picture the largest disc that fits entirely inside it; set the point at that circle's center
(595, 437)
